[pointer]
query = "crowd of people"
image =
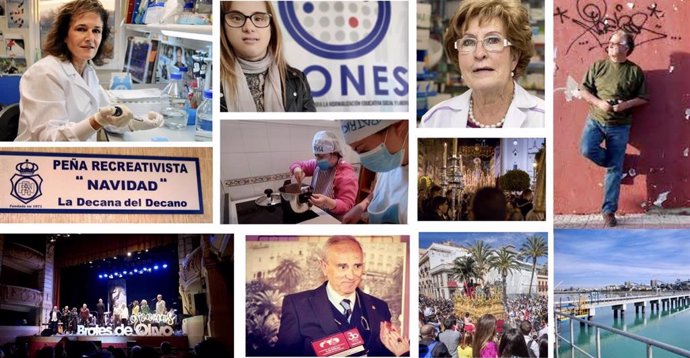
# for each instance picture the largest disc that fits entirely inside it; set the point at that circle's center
(67, 320)
(533, 309)
(432, 307)
(488, 338)
(445, 333)
(210, 348)
(487, 204)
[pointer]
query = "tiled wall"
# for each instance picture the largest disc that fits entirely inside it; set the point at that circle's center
(261, 149)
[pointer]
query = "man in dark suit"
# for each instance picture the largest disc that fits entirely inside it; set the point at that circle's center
(337, 306)
(100, 312)
(55, 316)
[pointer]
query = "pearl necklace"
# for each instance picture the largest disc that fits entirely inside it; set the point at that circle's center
(482, 125)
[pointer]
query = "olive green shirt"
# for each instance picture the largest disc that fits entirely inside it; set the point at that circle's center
(614, 83)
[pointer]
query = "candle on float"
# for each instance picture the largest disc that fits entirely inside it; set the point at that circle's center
(445, 154)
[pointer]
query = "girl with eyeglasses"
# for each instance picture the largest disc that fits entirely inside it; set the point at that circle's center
(254, 74)
(491, 43)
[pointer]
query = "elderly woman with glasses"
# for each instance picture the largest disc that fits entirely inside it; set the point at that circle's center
(491, 43)
(254, 74)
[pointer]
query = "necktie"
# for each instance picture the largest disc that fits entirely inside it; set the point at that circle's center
(348, 309)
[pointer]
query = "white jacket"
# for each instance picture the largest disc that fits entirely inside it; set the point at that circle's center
(55, 101)
(526, 111)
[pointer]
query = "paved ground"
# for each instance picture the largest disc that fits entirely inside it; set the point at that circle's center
(625, 221)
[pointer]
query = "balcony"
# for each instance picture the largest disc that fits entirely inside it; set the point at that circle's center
(21, 299)
(22, 258)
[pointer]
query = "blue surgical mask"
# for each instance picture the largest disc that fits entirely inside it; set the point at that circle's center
(380, 159)
(323, 164)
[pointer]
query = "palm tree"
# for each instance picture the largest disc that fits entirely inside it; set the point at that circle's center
(263, 303)
(261, 331)
(464, 269)
(263, 308)
(505, 262)
(288, 275)
(534, 247)
(481, 253)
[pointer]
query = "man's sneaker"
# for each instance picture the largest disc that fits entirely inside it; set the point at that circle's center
(609, 219)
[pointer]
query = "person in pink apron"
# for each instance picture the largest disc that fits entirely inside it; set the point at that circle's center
(333, 179)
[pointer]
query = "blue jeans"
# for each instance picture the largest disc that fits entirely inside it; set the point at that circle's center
(610, 157)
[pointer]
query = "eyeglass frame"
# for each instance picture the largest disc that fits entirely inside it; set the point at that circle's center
(619, 44)
(270, 18)
(506, 43)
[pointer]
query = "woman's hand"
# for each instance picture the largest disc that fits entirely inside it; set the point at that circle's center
(322, 201)
(150, 121)
(298, 174)
(354, 215)
(106, 116)
(393, 340)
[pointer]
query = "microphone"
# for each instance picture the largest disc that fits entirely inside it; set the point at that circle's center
(340, 344)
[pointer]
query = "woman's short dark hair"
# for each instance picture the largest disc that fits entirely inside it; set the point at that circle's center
(55, 41)
(489, 204)
(437, 201)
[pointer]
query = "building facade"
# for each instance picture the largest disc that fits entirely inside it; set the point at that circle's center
(436, 274)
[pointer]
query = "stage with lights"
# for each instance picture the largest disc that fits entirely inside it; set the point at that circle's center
(153, 289)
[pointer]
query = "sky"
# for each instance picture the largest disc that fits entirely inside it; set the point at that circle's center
(494, 239)
(596, 258)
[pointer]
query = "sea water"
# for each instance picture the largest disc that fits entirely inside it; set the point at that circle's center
(670, 327)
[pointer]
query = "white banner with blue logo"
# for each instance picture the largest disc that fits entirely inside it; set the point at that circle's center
(89, 183)
(354, 53)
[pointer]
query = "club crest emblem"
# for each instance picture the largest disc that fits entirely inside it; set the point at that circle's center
(26, 185)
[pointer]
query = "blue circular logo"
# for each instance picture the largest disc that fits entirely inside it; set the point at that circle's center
(336, 30)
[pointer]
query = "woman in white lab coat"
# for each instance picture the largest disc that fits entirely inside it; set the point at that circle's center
(491, 43)
(60, 96)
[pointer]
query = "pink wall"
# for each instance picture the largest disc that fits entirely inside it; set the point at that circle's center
(660, 132)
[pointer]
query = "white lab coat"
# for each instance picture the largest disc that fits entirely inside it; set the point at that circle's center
(56, 100)
(525, 111)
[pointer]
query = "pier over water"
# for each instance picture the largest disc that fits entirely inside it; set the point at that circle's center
(609, 327)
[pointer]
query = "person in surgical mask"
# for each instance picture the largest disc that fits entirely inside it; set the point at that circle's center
(333, 179)
(383, 148)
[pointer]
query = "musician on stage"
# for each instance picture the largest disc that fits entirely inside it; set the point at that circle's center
(100, 312)
(145, 309)
(160, 305)
(55, 316)
(84, 314)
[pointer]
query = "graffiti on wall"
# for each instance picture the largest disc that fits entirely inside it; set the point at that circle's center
(595, 22)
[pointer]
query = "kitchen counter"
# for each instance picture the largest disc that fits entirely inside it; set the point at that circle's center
(323, 218)
(247, 214)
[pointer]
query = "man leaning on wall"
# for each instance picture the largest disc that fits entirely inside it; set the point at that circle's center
(612, 87)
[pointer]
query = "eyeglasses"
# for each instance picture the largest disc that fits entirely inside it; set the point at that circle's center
(237, 19)
(614, 44)
(493, 43)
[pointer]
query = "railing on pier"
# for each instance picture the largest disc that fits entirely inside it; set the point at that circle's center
(589, 300)
(649, 343)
